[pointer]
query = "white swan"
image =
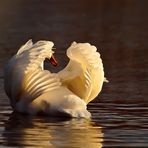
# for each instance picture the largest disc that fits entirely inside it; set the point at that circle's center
(33, 90)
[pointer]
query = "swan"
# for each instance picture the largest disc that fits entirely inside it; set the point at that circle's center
(34, 90)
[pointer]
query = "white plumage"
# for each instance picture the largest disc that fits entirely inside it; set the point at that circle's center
(33, 90)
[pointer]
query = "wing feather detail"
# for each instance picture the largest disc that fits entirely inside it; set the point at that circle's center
(43, 81)
(27, 46)
(30, 56)
(88, 80)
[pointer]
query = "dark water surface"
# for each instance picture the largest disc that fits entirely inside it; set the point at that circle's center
(119, 28)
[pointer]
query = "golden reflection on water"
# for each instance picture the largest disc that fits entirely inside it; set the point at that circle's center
(24, 131)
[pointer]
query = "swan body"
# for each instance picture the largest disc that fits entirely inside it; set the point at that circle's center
(33, 90)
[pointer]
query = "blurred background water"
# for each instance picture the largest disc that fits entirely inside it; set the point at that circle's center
(119, 29)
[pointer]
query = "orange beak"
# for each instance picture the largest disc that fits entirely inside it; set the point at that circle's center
(53, 61)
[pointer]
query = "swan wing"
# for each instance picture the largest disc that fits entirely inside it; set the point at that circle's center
(84, 74)
(23, 65)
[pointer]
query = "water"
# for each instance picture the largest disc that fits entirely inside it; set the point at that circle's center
(115, 123)
(119, 30)
(112, 125)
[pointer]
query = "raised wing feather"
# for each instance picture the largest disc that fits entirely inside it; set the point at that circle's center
(27, 46)
(24, 71)
(84, 74)
(30, 56)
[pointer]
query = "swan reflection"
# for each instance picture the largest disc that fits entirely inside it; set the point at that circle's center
(24, 131)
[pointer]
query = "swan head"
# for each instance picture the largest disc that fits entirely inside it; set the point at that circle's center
(49, 46)
(52, 60)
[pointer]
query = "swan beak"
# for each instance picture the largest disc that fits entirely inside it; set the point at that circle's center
(53, 61)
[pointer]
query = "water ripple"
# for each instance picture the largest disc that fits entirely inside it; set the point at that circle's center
(111, 125)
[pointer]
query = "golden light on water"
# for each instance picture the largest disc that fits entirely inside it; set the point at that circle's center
(43, 132)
